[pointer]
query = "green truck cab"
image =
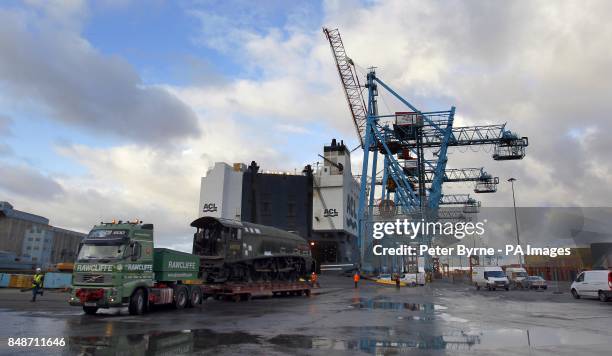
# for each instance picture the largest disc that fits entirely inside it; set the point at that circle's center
(117, 266)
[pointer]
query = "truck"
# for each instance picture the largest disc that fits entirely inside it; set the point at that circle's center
(490, 277)
(117, 265)
(516, 276)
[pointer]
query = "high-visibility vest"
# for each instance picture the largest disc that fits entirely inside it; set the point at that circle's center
(356, 277)
(37, 280)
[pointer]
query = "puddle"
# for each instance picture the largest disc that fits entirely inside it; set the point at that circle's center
(391, 341)
(362, 303)
(158, 343)
(417, 317)
(369, 345)
(460, 341)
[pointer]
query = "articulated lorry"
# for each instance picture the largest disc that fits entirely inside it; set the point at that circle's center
(117, 266)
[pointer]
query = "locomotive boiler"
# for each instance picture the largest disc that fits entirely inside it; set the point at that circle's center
(238, 251)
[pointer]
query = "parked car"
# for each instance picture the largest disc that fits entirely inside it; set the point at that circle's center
(534, 282)
(490, 277)
(593, 284)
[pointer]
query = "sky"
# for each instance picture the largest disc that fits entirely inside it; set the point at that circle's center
(117, 108)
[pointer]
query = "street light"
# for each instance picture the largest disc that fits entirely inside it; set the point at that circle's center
(518, 241)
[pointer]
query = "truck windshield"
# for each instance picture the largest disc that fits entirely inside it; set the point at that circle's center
(100, 252)
(107, 233)
(494, 274)
(521, 274)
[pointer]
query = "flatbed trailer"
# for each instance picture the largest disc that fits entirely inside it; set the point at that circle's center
(246, 291)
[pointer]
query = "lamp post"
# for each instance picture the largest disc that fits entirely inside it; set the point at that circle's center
(518, 241)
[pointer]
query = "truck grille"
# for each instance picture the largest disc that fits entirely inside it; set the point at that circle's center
(93, 278)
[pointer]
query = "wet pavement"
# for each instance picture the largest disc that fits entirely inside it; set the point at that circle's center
(440, 319)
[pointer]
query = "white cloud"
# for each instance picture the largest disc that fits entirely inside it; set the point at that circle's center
(46, 62)
(543, 67)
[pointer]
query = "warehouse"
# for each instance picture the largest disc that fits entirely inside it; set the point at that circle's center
(28, 240)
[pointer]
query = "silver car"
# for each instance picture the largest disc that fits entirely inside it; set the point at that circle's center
(535, 282)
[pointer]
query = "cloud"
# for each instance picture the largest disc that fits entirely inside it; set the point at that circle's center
(5, 125)
(59, 70)
(154, 185)
(543, 68)
(27, 182)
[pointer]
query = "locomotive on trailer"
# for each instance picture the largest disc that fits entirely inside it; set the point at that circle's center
(231, 250)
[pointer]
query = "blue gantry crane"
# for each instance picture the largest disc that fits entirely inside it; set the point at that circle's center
(413, 145)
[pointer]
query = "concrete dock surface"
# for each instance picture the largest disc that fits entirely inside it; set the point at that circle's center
(441, 318)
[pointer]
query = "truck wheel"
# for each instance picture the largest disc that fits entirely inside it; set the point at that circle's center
(196, 297)
(180, 298)
(575, 294)
(602, 296)
(90, 310)
(137, 303)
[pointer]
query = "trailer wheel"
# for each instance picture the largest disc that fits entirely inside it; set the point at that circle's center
(196, 297)
(180, 297)
(137, 303)
(90, 310)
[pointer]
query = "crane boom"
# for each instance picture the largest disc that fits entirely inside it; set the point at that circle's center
(350, 82)
(459, 175)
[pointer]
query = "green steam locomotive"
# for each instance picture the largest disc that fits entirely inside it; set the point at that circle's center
(238, 251)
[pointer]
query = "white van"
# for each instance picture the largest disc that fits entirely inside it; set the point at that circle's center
(414, 278)
(490, 278)
(516, 276)
(593, 284)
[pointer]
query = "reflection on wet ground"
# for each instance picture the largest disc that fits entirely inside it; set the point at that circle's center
(179, 342)
(384, 303)
(369, 320)
(202, 340)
